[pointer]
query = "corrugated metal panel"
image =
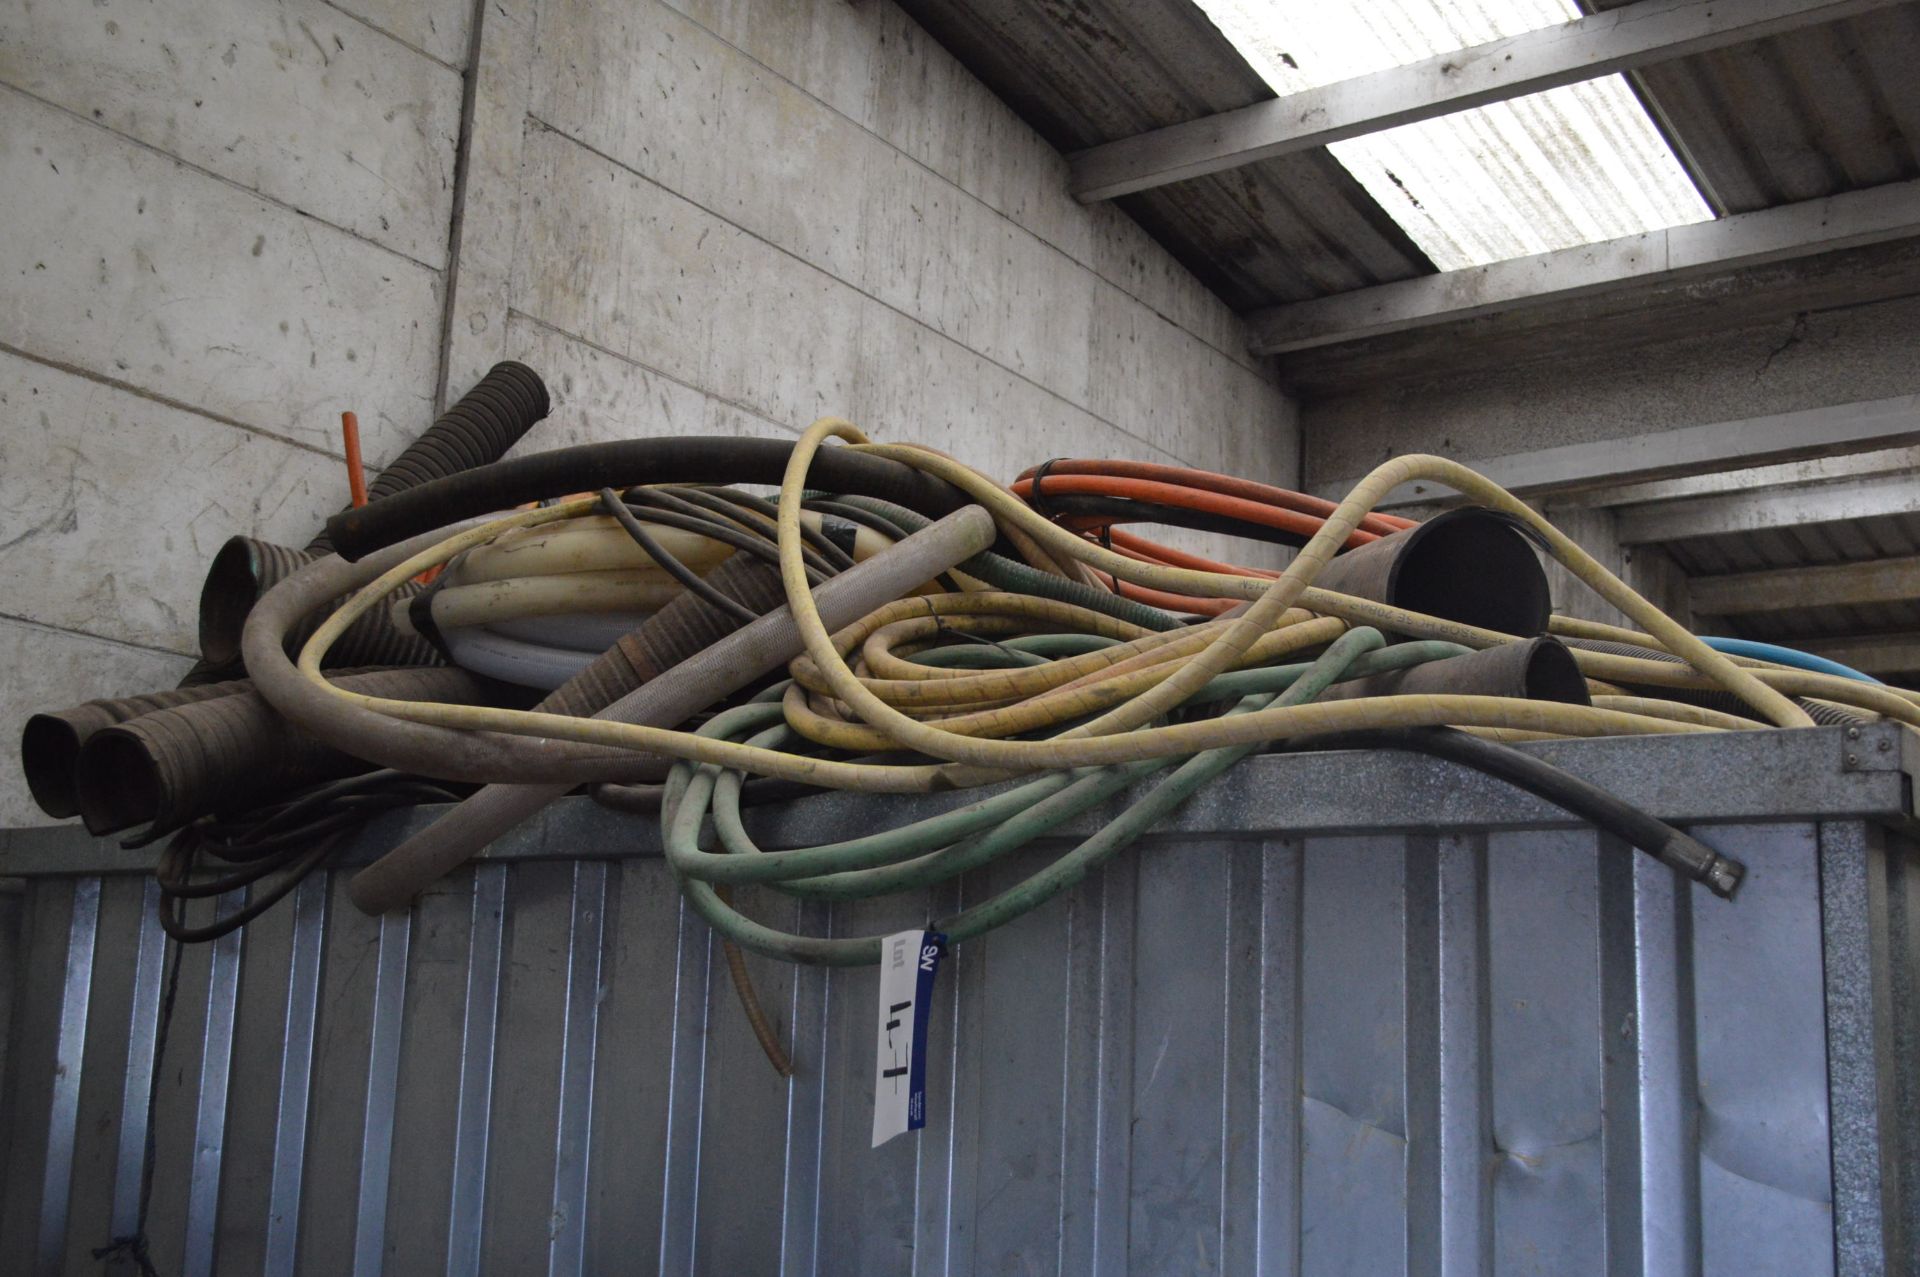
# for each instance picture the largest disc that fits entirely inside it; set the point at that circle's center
(1849, 541)
(1808, 114)
(1083, 72)
(1472, 1040)
(1835, 108)
(1571, 166)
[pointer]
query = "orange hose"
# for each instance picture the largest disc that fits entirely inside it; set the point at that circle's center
(1181, 497)
(1138, 547)
(1207, 481)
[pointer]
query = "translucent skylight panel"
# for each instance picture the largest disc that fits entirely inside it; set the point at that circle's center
(1570, 166)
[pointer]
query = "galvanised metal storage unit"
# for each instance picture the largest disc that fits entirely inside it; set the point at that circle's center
(1348, 1014)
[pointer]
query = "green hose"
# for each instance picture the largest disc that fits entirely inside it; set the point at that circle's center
(900, 859)
(1012, 653)
(1006, 574)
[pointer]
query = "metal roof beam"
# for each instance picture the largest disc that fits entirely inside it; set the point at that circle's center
(1823, 585)
(1872, 216)
(1584, 49)
(1768, 509)
(1689, 450)
(1870, 654)
(1782, 474)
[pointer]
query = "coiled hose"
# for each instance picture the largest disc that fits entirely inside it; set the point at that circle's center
(722, 459)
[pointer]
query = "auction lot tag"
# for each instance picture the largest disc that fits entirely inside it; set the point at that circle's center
(908, 962)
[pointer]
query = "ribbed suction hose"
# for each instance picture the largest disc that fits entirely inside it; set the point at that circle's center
(227, 753)
(50, 743)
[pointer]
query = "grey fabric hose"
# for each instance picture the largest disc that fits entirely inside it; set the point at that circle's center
(419, 748)
(735, 661)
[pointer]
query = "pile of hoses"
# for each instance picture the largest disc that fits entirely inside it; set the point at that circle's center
(892, 621)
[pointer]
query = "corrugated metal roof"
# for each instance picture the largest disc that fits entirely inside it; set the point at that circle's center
(1824, 110)
(1575, 165)
(1082, 72)
(1798, 116)
(1848, 541)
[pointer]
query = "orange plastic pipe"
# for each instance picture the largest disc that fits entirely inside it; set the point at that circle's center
(1208, 481)
(1180, 497)
(356, 473)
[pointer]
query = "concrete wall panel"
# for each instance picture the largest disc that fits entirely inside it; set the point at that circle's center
(292, 99)
(112, 505)
(42, 669)
(127, 264)
(442, 29)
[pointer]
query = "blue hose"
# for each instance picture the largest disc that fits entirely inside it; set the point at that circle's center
(1787, 656)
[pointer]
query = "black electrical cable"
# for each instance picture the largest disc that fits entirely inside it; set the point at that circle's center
(875, 522)
(1127, 510)
(674, 567)
(292, 837)
(1588, 801)
(134, 1245)
(762, 517)
(741, 521)
(706, 525)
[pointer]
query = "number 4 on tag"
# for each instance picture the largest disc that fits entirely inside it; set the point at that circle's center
(908, 962)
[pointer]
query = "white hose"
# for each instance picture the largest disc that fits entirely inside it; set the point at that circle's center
(597, 543)
(512, 661)
(579, 632)
(457, 606)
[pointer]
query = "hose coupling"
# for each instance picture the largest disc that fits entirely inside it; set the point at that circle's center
(1721, 874)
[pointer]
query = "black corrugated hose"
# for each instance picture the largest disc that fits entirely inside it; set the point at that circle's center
(704, 459)
(476, 431)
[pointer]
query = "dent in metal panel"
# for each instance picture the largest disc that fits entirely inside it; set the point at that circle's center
(210, 1121)
(1546, 1043)
(631, 1080)
(1765, 1183)
(573, 1126)
(744, 1139)
(309, 907)
(383, 1075)
(472, 1124)
(519, 1193)
(63, 1117)
(1353, 1212)
(136, 1094)
(1179, 1052)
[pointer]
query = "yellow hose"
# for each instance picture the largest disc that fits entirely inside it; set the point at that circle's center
(1294, 585)
(1131, 684)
